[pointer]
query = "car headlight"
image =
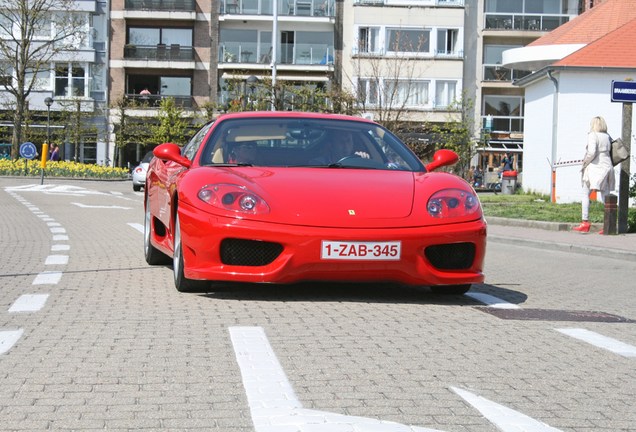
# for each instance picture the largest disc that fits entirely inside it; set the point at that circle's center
(233, 198)
(449, 203)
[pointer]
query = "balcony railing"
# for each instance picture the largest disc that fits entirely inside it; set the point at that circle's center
(160, 5)
(541, 22)
(502, 74)
(294, 54)
(315, 8)
(159, 52)
(153, 101)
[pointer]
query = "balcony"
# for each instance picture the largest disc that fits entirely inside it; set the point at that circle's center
(497, 73)
(304, 8)
(290, 54)
(154, 101)
(523, 22)
(160, 52)
(161, 5)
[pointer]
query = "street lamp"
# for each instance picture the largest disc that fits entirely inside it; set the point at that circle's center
(48, 101)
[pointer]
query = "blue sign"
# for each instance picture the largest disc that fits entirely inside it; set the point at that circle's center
(28, 150)
(624, 91)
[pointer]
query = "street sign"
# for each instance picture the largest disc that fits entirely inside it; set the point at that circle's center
(624, 91)
(28, 150)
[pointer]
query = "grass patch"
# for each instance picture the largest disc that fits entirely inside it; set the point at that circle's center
(536, 207)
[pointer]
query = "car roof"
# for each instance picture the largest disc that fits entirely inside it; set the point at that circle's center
(291, 114)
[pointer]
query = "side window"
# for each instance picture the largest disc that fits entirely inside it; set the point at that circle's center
(191, 148)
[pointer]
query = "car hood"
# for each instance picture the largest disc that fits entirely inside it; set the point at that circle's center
(330, 197)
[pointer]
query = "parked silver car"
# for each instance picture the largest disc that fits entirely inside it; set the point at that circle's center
(139, 172)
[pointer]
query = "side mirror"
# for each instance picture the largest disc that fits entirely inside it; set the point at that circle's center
(443, 157)
(171, 152)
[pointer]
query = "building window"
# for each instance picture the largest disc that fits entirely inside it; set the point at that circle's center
(408, 40)
(406, 93)
(447, 41)
(369, 39)
(368, 91)
(445, 93)
(506, 112)
(70, 80)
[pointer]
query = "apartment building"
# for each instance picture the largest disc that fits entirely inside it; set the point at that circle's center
(492, 27)
(273, 42)
(68, 79)
(404, 57)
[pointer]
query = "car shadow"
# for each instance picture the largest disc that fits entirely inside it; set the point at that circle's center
(354, 292)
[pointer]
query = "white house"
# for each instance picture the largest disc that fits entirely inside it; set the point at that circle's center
(574, 67)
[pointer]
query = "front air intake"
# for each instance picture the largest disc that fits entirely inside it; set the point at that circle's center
(453, 256)
(249, 252)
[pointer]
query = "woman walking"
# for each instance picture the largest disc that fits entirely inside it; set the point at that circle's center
(597, 171)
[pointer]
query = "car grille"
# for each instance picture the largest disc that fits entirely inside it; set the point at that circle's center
(453, 256)
(249, 252)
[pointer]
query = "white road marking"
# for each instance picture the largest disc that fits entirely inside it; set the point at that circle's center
(55, 189)
(600, 341)
(100, 206)
(60, 247)
(8, 338)
(273, 403)
(60, 237)
(47, 278)
(138, 227)
(57, 230)
(53, 224)
(56, 260)
(506, 419)
(491, 301)
(29, 303)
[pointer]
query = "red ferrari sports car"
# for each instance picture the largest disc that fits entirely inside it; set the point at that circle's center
(285, 197)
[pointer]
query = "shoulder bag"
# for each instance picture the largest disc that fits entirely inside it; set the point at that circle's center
(618, 151)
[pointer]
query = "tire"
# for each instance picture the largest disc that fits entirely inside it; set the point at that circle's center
(182, 283)
(451, 289)
(136, 188)
(153, 255)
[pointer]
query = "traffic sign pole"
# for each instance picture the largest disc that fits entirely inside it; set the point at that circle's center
(625, 92)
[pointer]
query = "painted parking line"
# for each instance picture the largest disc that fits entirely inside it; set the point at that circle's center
(48, 278)
(80, 205)
(138, 227)
(56, 260)
(29, 303)
(600, 341)
(8, 338)
(60, 247)
(491, 301)
(273, 403)
(504, 418)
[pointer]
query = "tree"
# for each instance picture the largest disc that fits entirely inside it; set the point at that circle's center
(173, 126)
(33, 33)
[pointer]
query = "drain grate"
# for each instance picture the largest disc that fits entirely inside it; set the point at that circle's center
(554, 315)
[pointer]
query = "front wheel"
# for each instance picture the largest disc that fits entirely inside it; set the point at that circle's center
(451, 289)
(182, 283)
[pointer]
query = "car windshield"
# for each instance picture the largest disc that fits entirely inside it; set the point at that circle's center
(148, 156)
(306, 142)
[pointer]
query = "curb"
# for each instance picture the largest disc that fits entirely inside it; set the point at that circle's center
(547, 245)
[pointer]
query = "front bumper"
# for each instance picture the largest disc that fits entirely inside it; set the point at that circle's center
(298, 257)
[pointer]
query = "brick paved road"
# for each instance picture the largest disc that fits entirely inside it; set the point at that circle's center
(116, 347)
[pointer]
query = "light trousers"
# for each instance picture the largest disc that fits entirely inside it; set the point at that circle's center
(585, 203)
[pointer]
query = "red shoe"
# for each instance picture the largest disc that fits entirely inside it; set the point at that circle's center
(601, 232)
(584, 227)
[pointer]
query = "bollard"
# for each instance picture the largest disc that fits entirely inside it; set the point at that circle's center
(610, 218)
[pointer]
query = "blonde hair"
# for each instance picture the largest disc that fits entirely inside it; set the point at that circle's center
(598, 124)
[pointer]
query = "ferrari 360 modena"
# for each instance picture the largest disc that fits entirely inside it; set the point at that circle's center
(289, 197)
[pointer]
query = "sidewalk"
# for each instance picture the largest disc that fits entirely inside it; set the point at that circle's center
(559, 236)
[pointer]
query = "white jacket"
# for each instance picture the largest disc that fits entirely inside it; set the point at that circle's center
(598, 171)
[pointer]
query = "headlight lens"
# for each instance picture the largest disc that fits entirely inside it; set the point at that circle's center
(449, 203)
(233, 198)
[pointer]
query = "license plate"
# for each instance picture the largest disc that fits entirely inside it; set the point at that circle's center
(380, 251)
